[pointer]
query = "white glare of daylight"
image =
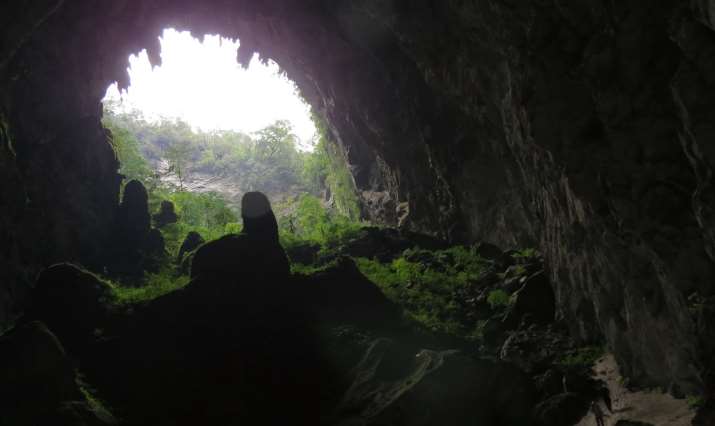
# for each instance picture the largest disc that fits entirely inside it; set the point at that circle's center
(203, 84)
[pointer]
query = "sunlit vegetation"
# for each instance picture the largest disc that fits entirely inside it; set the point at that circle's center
(311, 222)
(169, 157)
(158, 284)
(428, 285)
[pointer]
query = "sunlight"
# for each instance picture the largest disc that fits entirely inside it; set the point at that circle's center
(203, 84)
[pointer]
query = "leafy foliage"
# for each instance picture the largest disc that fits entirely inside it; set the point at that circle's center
(429, 292)
(312, 222)
(158, 284)
(327, 168)
(582, 357)
(498, 298)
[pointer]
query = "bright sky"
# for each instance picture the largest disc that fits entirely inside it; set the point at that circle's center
(203, 84)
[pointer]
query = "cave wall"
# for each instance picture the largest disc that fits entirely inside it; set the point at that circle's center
(581, 127)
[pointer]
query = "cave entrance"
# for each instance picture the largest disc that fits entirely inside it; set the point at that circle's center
(199, 130)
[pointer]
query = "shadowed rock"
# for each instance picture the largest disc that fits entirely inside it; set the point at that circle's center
(192, 241)
(137, 247)
(166, 214)
(255, 254)
(133, 218)
(38, 383)
(71, 301)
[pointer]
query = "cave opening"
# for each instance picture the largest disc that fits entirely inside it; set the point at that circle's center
(467, 121)
(198, 130)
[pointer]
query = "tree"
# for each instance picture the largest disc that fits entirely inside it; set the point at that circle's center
(178, 155)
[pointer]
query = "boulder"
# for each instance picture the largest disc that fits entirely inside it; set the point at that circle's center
(192, 241)
(488, 251)
(534, 348)
(565, 409)
(255, 254)
(399, 385)
(39, 384)
(35, 374)
(166, 215)
(343, 294)
(533, 302)
(233, 258)
(304, 253)
(71, 302)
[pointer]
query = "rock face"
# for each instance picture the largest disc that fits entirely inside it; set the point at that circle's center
(581, 127)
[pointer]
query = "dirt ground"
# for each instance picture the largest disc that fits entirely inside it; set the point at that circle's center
(650, 407)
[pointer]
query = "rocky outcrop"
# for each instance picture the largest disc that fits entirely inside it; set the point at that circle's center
(136, 246)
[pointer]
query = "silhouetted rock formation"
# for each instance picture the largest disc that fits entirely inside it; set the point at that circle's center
(72, 302)
(192, 241)
(166, 215)
(259, 222)
(254, 254)
(133, 218)
(137, 246)
(38, 383)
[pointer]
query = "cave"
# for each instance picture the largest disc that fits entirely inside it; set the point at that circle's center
(579, 128)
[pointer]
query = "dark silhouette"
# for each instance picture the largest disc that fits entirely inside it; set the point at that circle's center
(256, 248)
(192, 241)
(166, 215)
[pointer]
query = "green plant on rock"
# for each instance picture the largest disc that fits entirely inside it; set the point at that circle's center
(695, 401)
(430, 295)
(582, 357)
(155, 285)
(526, 253)
(498, 299)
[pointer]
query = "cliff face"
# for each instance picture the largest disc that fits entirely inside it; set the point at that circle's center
(581, 127)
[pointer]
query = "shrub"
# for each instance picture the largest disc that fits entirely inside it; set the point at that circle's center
(498, 299)
(430, 294)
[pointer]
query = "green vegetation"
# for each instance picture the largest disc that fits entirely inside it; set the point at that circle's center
(206, 213)
(526, 253)
(582, 357)
(311, 222)
(695, 401)
(156, 285)
(327, 168)
(498, 298)
(169, 158)
(428, 284)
